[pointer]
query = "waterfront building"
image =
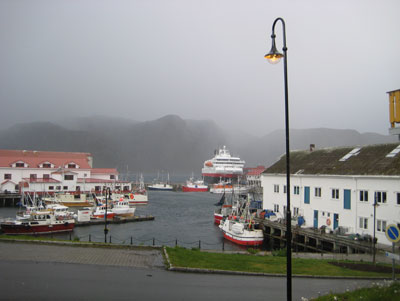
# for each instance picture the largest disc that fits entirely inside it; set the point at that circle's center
(45, 172)
(253, 175)
(338, 188)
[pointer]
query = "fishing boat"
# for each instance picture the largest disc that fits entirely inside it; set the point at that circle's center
(122, 208)
(240, 228)
(138, 196)
(40, 222)
(160, 185)
(101, 211)
(194, 186)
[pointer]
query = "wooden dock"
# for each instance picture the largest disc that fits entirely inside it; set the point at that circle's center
(116, 220)
(9, 199)
(312, 240)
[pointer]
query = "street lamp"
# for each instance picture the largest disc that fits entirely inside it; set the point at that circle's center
(108, 194)
(274, 56)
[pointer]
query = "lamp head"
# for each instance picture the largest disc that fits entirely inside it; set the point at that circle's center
(273, 56)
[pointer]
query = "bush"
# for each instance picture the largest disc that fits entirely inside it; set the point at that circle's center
(279, 253)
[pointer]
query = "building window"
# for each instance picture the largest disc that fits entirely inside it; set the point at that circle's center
(68, 177)
(97, 188)
(296, 190)
(363, 196)
(335, 194)
(380, 225)
(126, 188)
(71, 165)
(284, 188)
(51, 187)
(112, 177)
(276, 188)
(363, 223)
(20, 164)
(276, 208)
(398, 198)
(380, 197)
(295, 211)
(7, 176)
(46, 176)
(32, 176)
(46, 165)
(58, 187)
(65, 187)
(317, 192)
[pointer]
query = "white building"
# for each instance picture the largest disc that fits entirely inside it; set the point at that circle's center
(339, 187)
(44, 172)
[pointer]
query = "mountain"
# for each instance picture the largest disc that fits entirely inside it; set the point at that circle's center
(169, 143)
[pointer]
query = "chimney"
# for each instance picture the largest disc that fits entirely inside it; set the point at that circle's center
(312, 147)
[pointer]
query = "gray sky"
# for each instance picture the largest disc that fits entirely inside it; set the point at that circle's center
(203, 59)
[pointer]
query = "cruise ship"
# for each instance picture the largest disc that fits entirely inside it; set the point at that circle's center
(223, 167)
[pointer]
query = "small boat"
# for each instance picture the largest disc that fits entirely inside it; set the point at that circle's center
(122, 208)
(138, 196)
(40, 222)
(99, 212)
(241, 232)
(160, 185)
(194, 186)
(240, 228)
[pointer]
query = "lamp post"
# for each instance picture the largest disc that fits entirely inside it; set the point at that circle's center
(108, 194)
(274, 57)
(374, 238)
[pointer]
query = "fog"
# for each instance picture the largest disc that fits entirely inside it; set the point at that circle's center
(143, 59)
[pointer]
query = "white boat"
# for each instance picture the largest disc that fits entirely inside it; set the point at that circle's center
(160, 185)
(240, 228)
(138, 196)
(222, 166)
(122, 208)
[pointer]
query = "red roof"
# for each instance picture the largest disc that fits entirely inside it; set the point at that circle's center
(34, 158)
(254, 171)
(104, 171)
(41, 180)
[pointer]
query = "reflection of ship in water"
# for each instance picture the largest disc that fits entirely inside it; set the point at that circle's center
(223, 167)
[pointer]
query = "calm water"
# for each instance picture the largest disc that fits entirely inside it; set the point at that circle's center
(185, 217)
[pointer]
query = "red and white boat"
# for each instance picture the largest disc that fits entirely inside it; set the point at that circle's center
(99, 212)
(240, 228)
(241, 232)
(40, 222)
(222, 166)
(194, 186)
(227, 187)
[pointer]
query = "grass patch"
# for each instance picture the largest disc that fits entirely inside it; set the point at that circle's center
(181, 257)
(390, 292)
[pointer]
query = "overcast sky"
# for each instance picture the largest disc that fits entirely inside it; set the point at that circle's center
(203, 59)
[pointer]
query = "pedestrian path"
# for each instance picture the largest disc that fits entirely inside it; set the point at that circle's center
(125, 257)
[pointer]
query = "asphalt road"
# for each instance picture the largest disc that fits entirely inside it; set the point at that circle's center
(26, 274)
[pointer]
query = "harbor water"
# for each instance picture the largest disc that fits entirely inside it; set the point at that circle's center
(185, 219)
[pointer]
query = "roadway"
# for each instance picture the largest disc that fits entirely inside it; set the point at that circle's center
(53, 272)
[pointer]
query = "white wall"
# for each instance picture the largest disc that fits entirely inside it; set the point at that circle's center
(388, 212)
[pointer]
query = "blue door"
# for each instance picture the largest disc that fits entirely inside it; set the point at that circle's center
(335, 220)
(315, 218)
(306, 195)
(347, 199)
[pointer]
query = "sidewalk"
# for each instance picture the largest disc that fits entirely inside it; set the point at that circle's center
(74, 253)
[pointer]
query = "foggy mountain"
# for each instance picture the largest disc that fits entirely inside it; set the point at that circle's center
(169, 143)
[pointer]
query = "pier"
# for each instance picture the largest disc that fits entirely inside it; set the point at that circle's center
(116, 220)
(9, 199)
(312, 240)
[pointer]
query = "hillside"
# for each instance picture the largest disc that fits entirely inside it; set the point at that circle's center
(169, 143)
